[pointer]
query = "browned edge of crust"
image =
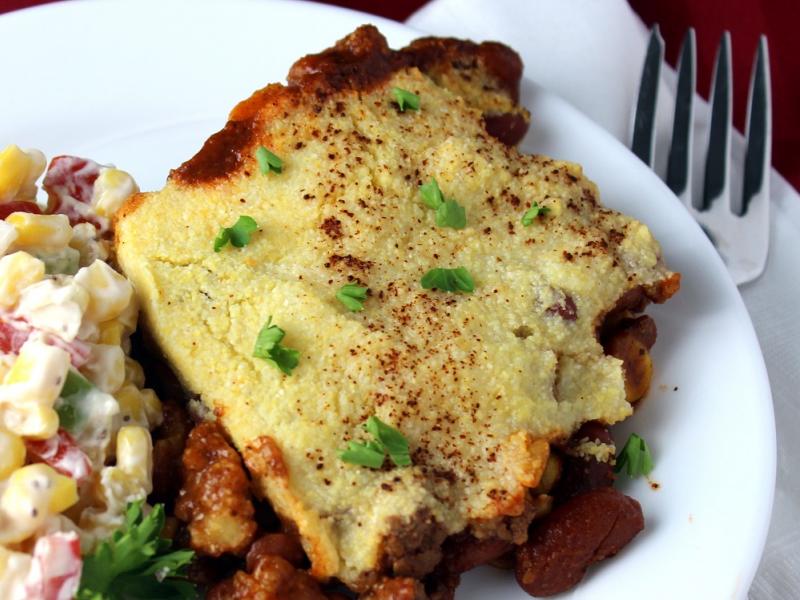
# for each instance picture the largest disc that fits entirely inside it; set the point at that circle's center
(360, 61)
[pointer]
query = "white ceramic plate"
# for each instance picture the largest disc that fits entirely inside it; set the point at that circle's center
(141, 84)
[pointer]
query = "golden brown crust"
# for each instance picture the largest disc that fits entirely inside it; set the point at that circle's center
(264, 460)
(215, 497)
(361, 61)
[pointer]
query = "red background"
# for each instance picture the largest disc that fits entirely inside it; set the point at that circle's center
(746, 19)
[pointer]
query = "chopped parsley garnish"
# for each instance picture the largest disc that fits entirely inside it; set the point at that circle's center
(405, 99)
(532, 213)
(135, 563)
(448, 280)
(267, 161)
(268, 346)
(391, 440)
(352, 296)
(238, 235)
(386, 440)
(365, 454)
(431, 193)
(449, 213)
(635, 457)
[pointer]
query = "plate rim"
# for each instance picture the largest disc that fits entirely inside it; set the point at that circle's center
(759, 365)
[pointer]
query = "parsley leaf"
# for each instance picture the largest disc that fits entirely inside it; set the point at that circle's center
(387, 440)
(267, 161)
(449, 213)
(448, 280)
(405, 99)
(134, 562)
(431, 194)
(533, 212)
(238, 235)
(635, 457)
(352, 296)
(365, 454)
(268, 346)
(392, 441)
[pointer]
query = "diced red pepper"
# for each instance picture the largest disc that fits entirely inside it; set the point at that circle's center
(56, 567)
(14, 333)
(18, 206)
(63, 454)
(12, 336)
(69, 181)
(78, 350)
(73, 176)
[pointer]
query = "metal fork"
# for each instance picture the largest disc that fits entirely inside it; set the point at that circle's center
(737, 226)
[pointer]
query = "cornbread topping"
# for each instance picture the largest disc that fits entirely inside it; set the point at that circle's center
(480, 379)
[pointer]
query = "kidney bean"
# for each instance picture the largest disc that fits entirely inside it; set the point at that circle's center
(464, 553)
(630, 343)
(509, 128)
(580, 474)
(585, 530)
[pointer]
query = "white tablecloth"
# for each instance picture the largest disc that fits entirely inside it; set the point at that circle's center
(591, 54)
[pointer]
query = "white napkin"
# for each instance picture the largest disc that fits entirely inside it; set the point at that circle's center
(591, 54)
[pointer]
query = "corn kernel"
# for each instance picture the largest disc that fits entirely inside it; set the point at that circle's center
(111, 333)
(129, 317)
(30, 420)
(135, 455)
(111, 189)
(18, 173)
(85, 240)
(30, 389)
(41, 368)
(152, 408)
(6, 362)
(51, 231)
(8, 235)
(18, 271)
(131, 407)
(34, 493)
(12, 453)
(133, 372)
(106, 367)
(109, 292)
(14, 569)
(65, 494)
(54, 305)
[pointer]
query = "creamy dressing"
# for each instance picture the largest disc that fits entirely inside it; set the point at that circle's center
(65, 321)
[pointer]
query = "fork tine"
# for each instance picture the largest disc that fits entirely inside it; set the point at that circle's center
(759, 130)
(643, 142)
(716, 183)
(680, 150)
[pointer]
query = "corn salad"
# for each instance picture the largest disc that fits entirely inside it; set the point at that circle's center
(75, 419)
